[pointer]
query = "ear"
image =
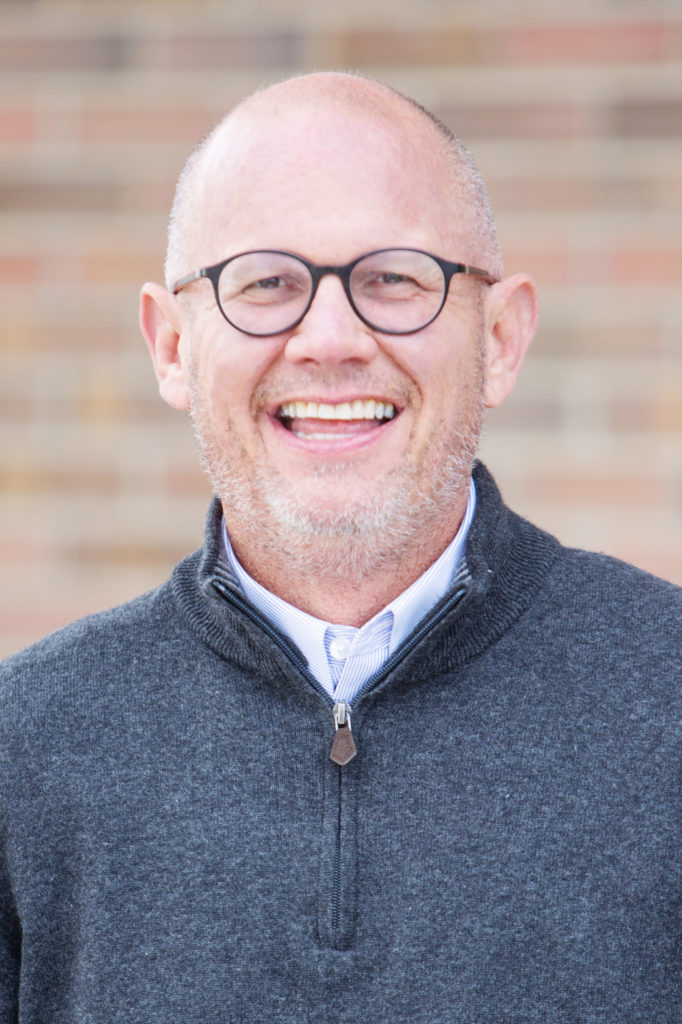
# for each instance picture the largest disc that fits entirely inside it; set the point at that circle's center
(511, 317)
(161, 323)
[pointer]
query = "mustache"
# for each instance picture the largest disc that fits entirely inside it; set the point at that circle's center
(338, 379)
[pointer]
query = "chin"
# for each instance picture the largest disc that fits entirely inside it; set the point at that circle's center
(361, 538)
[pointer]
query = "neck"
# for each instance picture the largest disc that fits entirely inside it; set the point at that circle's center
(340, 580)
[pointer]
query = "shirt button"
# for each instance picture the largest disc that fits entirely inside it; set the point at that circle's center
(339, 648)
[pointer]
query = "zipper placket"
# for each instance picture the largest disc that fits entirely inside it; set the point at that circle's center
(396, 657)
(343, 750)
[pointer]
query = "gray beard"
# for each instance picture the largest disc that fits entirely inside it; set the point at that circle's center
(371, 537)
(374, 535)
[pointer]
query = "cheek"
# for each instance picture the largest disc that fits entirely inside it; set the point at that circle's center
(217, 383)
(444, 350)
(233, 366)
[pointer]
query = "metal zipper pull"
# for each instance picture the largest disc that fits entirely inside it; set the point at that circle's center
(343, 748)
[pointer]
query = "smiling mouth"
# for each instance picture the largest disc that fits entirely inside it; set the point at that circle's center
(322, 421)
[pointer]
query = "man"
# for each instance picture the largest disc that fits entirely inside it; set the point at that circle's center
(381, 751)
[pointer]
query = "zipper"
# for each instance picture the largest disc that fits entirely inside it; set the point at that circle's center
(336, 871)
(343, 748)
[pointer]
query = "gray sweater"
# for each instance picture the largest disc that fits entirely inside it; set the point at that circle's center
(177, 847)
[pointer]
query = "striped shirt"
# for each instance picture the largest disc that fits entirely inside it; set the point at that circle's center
(343, 658)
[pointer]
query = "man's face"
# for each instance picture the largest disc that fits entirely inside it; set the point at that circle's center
(323, 485)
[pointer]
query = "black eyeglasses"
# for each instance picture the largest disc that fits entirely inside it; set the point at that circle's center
(393, 291)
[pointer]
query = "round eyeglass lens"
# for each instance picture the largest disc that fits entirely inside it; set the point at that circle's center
(397, 290)
(264, 292)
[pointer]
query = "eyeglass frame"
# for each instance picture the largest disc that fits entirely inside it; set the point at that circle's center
(317, 272)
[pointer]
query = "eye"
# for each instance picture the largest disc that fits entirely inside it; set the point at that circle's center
(386, 284)
(273, 288)
(391, 277)
(267, 282)
(263, 278)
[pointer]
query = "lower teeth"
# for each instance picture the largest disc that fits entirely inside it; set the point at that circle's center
(287, 421)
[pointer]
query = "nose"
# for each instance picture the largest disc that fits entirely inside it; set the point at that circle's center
(330, 332)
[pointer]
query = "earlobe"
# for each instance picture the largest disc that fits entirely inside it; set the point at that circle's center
(511, 317)
(160, 322)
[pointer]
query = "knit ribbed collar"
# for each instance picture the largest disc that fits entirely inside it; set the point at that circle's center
(507, 562)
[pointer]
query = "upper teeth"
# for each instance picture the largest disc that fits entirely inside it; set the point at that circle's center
(369, 409)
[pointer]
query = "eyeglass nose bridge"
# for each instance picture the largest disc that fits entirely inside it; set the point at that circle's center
(343, 273)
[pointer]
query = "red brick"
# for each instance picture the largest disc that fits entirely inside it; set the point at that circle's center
(72, 52)
(573, 194)
(668, 412)
(566, 490)
(15, 409)
(21, 552)
(19, 269)
(608, 42)
(150, 196)
(518, 121)
(536, 412)
(123, 266)
(409, 49)
(662, 414)
(660, 118)
(550, 264)
(185, 481)
(643, 264)
(220, 51)
(70, 481)
(633, 415)
(60, 331)
(121, 555)
(534, 193)
(145, 123)
(17, 124)
(79, 196)
(609, 341)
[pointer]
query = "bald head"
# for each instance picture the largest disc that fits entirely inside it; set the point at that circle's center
(236, 146)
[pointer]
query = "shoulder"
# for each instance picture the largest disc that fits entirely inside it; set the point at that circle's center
(606, 626)
(83, 658)
(99, 629)
(564, 604)
(616, 588)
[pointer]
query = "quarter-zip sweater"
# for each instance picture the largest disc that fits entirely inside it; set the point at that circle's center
(177, 846)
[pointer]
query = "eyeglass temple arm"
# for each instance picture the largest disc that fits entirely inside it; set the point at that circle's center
(187, 279)
(477, 272)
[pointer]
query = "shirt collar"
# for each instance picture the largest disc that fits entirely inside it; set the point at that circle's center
(406, 610)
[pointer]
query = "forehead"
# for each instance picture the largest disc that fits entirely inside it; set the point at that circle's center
(328, 179)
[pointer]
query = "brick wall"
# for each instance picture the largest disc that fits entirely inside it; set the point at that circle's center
(574, 112)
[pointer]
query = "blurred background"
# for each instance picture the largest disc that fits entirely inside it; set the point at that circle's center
(574, 113)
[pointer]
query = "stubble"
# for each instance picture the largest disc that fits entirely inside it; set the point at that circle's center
(390, 525)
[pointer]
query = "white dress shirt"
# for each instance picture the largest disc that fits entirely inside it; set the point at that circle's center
(342, 658)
